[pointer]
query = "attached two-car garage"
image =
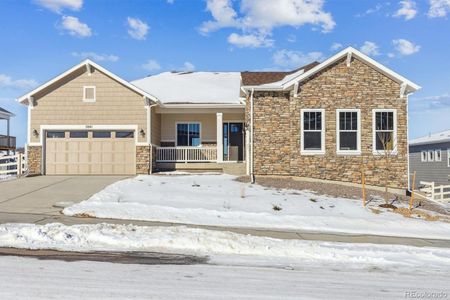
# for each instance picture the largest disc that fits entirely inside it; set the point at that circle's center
(90, 152)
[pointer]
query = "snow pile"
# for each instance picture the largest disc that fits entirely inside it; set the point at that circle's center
(193, 87)
(218, 200)
(218, 245)
(7, 177)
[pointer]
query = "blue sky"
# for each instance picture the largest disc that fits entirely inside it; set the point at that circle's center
(42, 38)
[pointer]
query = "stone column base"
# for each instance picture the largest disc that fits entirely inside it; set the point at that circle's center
(34, 160)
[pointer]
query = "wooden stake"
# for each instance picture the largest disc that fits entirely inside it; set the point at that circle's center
(411, 199)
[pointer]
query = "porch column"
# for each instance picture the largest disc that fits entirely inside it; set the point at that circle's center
(7, 136)
(219, 118)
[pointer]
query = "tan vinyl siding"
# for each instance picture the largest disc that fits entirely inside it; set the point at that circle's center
(62, 104)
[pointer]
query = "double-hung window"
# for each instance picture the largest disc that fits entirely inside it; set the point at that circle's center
(348, 131)
(312, 131)
(430, 155)
(423, 156)
(384, 131)
(188, 134)
(437, 155)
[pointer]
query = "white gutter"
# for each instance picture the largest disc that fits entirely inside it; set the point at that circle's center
(252, 176)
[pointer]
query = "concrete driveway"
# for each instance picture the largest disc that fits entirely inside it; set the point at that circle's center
(37, 195)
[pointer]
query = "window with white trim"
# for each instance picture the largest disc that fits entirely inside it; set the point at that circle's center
(384, 130)
(437, 155)
(348, 131)
(89, 93)
(313, 131)
(188, 134)
(448, 158)
(430, 155)
(423, 156)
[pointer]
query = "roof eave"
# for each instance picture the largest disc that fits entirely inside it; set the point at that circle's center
(393, 75)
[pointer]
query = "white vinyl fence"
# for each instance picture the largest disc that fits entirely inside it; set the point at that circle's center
(13, 165)
(439, 193)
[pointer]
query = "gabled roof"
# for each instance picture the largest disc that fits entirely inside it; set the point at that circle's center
(439, 137)
(290, 80)
(87, 62)
(258, 78)
(207, 88)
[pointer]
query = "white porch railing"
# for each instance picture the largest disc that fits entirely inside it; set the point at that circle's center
(13, 165)
(437, 193)
(186, 154)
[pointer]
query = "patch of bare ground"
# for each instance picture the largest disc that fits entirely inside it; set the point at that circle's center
(84, 215)
(422, 208)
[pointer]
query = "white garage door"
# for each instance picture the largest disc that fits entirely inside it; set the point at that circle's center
(90, 152)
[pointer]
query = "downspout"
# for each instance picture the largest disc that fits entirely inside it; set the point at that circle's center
(252, 176)
(407, 141)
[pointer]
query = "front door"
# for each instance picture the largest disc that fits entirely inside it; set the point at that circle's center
(233, 141)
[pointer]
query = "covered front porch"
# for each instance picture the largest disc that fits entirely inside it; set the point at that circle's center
(7, 142)
(199, 138)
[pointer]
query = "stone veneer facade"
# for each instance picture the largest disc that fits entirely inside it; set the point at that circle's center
(34, 160)
(143, 158)
(277, 126)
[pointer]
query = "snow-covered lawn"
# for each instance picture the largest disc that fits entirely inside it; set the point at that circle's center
(222, 201)
(7, 177)
(220, 247)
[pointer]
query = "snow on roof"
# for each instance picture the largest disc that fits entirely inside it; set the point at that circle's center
(193, 87)
(440, 137)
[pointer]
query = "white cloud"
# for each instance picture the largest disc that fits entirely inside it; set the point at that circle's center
(407, 10)
(370, 48)
(258, 18)
(75, 27)
(373, 9)
(137, 28)
(294, 59)
(336, 46)
(431, 102)
(58, 5)
(291, 38)
(7, 82)
(171, 1)
(405, 47)
(249, 40)
(151, 65)
(223, 14)
(439, 8)
(188, 67)
(96, 56)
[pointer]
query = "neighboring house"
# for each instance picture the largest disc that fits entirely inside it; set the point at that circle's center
(429, 157)
(324, 120)
(7, 142)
